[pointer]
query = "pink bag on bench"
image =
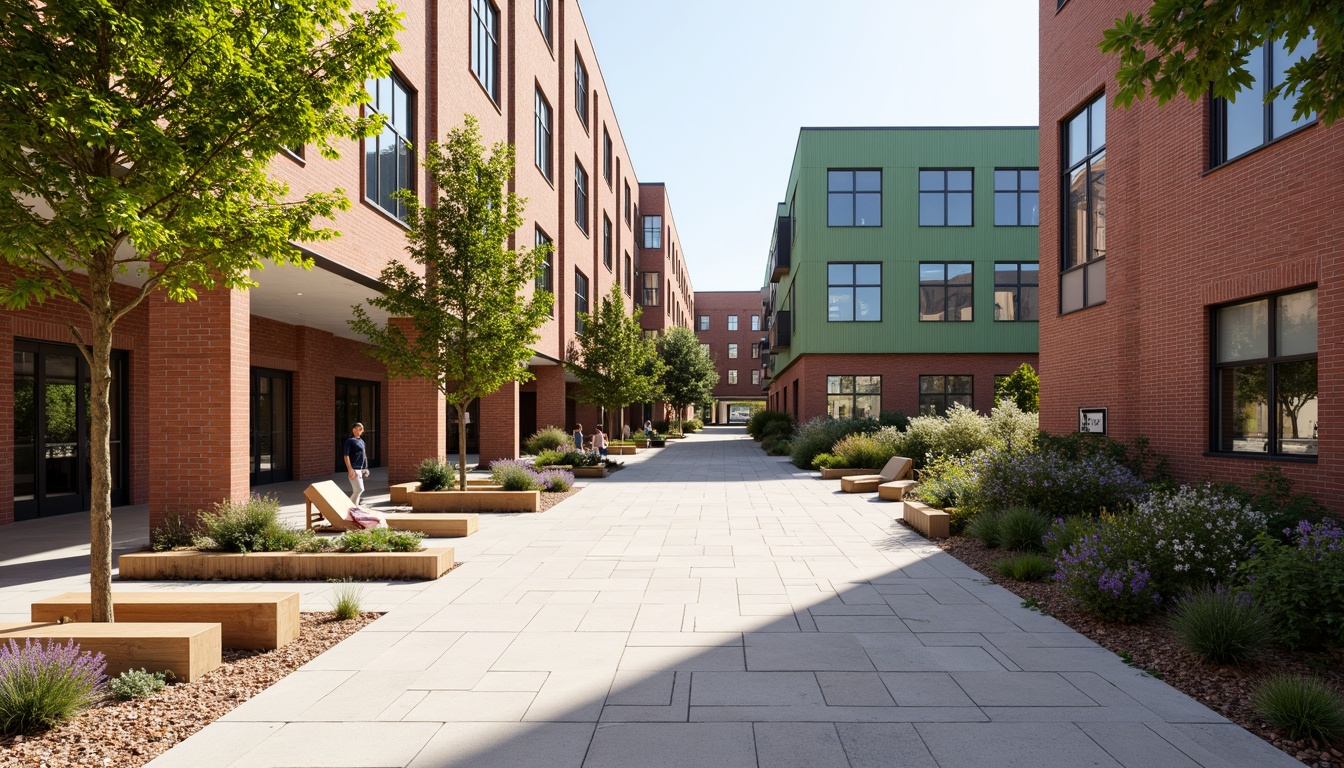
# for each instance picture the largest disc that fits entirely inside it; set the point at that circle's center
(365, 518)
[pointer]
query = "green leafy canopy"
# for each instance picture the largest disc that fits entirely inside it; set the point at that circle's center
(689, 377)
(1191, 46)
(614, 363)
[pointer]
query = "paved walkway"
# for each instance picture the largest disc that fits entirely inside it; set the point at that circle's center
(713, 607)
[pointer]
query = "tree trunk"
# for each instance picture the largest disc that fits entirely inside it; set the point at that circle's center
(461, 447)
(99, 358)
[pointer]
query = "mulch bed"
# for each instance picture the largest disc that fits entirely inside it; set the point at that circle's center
(1151, 645)
(127, 734)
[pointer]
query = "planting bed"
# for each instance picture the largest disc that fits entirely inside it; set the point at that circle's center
(128, 734)
(1152, 645)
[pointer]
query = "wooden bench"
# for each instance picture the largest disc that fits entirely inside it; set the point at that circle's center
(249, 620)
(895, 490)
(838, 472)
(325, 500)
(188, 650)
(933, 523)
(897, 468)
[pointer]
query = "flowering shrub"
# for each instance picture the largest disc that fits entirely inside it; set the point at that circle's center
(516, 475)
(41, 685)
(859, 451)
(1196, 535)
(1104, 571)
(1052, 483)
(1302, 583)
(555, 480)
(948, 483)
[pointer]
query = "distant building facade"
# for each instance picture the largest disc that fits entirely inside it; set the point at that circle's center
(729, 324)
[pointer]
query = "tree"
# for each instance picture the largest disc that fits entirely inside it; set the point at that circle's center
(614, 363)
(1022, 386)
(1294, 386)
(134, 145)
(472, 326)
(1188, 46)
(689, 376)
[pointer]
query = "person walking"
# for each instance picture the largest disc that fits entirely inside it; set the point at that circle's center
(578, 437)
(600, 442)
(356, 462)
(648, 429)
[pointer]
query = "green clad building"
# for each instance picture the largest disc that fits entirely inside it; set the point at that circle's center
(902, 272)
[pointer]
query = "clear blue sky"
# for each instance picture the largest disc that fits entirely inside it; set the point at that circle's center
(710, 95)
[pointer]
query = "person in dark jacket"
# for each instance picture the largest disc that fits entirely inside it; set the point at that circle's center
(356, 462)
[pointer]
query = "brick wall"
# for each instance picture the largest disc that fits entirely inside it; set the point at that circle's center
(718, 305)
(1182, 238)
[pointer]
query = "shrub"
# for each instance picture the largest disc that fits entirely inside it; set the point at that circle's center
(435, 475)
(1139, 458)
(42, 685)
(1021, 387)
(1023, 529)
(1195, 535)
(568, 458)
(861, 451)
(985, 527)
(946, 483)
(827, 461)
(345, 601)
(1284, 509)
(246, 526)
(1027, 566)
(1301, 583)
(661, 427)
(137, 684)
(514, 475)
(1052, 482)
(775, 446)
(378, 540)
(548, 439)
(555, 480)
(692, 425)
(174, 532)
(310, 542)
(1104, 570)
(821, 434)
(1304, 707)
(762, 422)
(1066, 532)
(1222, 627)
(895, 419)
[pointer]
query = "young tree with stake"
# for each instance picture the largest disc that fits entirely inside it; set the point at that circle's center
(614, 363)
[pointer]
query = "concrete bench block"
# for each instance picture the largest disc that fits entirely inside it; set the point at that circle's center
(188, 650)
(250, 620)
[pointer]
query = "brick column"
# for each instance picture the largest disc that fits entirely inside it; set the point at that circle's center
(417, 425)
(7, 410)
(550, 396)
(314, 406)
(199, 401)
(499, 424)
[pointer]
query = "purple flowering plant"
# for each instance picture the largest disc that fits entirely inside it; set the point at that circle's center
(1103, 570)
(44, 684)
(1055, 484)
(1301, 583)
(519, 475)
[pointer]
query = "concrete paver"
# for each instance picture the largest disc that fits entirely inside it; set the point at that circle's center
(706, 606)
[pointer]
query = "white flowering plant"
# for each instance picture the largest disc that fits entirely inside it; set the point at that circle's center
(1196, 535)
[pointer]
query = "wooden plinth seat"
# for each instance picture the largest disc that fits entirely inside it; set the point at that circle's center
(250, 620)
(188, 650)
(933, 523)
(325, 501)
(897, 468)
(895, 490)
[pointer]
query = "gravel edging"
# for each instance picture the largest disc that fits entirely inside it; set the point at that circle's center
(128, 734)
(1151, 645)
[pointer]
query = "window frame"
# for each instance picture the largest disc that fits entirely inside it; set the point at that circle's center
(627, 205)
(657, 279)
(581, 89)
(756, 377)
(853, 192)
(657, 231)
(946, 287)
(1267, 78)
(545, 280)
(1017, 287)
(732, 377)
(755, 323)
(608, 244)
(581, 305)
(629, 275)
(854, 287)
(543, 8)
(854, 394)
(481, 30)
(581, 196)
(607, 153)
(1271, 361)
(393, 82)
(1086, 266)
(732, 350)
(702, 322)
(946, 392)
(1017, 192)
(544, 130)
(945, 193)
(732, 322)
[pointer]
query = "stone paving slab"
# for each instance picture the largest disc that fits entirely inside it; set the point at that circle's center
(707, 605)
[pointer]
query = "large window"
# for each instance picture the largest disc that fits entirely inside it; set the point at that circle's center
(853, 396)
(945, 197)
(581, 89)
(652, 280)
(580, 196)
(704, 322)
(543, 15)
(543, 134)
(755, 322)
(756, 376)
(1017, 197)
(389, 156)
(627, 203)
(853, 198)
(546, 275)
(732, 322)
(607, 255)
(629, 275)
(938, 393)
(946, 292)
(1265, 376)
(853, 292)
(732, 351)
(580, 299)
(732, 376)
(653, 232)
(1015, 291)
(1082, 281)
(606, 156)
(485, 45)
(756, 351)
(1247, 123)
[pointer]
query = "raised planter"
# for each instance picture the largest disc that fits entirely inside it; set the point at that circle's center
(473, 500)
(401, 492)
(590, 472)
(658, 442)
(836, 474)
(933, 523)
(188, 650)
(430, 563)
(621, 450)
(249, 620)
(676, 437)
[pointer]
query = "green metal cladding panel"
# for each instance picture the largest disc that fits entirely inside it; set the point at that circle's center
(900, 244)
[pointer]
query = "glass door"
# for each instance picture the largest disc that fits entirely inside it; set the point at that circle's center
(357, 401)
(271, 427)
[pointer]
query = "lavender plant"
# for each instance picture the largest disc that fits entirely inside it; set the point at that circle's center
(42, 685)
(1104, 571)
(1048, 481)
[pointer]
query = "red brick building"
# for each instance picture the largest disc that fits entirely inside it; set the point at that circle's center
(663, 284)
(241, 389)
(729, 325)
(1192, 266)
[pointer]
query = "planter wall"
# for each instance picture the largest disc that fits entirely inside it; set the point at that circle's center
(836, 474)
(933, 523)
(401, 492)
(590, 472)
(621, 450)
(476, 501)
(286, 566)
